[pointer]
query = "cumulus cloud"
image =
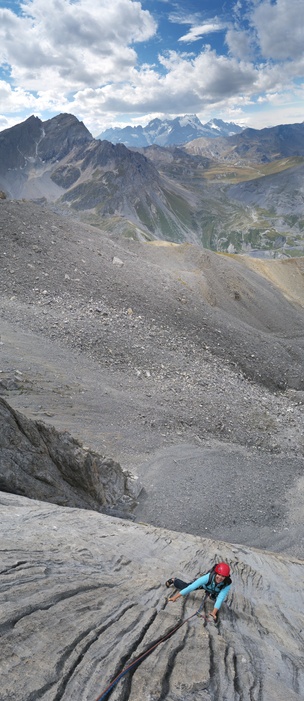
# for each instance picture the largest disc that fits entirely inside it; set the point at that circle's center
(80, 56)
(239, 43)
(15, 99)
(72, 44)
(187, 83)
(280, 28)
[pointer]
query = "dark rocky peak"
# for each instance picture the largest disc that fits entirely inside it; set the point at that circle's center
(254, 145)
(35, 141)
(18, 144)
(61, 134)
(107, 155)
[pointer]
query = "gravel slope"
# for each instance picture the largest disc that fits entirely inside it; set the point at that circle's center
(170, 359)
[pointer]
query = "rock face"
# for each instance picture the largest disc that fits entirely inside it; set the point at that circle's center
(39, 462)
(18, 144)
(61, 135)
(82, 595)
(34, 141)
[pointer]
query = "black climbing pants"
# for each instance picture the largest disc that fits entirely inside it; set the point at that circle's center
(179, 584)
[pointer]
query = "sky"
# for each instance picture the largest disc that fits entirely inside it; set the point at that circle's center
(119, 62)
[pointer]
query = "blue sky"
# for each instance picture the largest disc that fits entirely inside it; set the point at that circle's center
(118, 62)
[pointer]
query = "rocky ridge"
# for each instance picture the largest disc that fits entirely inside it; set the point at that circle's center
(166, 132)
(59, 161)
(253, 145)
(165, 193)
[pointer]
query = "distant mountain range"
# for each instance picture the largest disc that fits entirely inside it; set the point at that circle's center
(232, 194)
(253, 145)
(169, 132)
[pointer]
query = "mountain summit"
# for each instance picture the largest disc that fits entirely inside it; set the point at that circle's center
(34, 141)
(223, 193)
(169, 132)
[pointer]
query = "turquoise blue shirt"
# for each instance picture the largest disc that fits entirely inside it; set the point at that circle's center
(212, 588)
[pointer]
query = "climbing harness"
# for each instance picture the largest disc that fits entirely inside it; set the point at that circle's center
(212, 587)
(148, 652)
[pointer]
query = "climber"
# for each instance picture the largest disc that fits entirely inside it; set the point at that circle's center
(216, 582)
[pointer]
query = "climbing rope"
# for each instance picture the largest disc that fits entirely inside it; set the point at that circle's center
(148, 652)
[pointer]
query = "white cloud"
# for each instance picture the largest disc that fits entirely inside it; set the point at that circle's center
(237, 10)
(71, 44)
(187, 85)
(198, 31)
(15, 99)
(188, 81)
(239, 43)
(80, 56)
(280, 28)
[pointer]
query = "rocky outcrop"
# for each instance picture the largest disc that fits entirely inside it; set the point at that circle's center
(39, 462)
(82, 595)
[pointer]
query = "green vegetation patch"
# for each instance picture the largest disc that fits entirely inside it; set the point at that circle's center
(232, 174)
(180, 207)
(144, 215)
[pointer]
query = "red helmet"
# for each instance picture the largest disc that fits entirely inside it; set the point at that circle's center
(223, 569)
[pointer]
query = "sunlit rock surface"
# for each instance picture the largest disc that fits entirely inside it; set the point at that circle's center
(82, 594)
